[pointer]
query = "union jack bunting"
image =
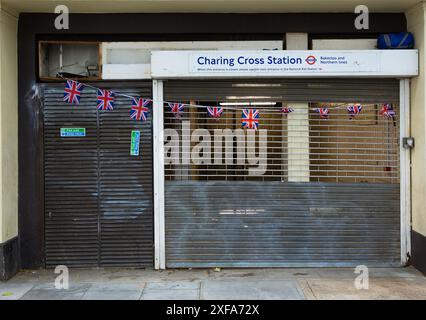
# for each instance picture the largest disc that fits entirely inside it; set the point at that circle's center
(105, 100)
(323, 112)
(354, 110)
(72, 91)
(387, 111)
(139, 110)
(215, 112)
(176, 108)
(250, 119)
(286, 110)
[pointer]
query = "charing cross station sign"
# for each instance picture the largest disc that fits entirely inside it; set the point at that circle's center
(282, 63)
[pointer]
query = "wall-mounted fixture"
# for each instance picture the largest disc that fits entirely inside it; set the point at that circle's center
(82, 59)
(408, 143)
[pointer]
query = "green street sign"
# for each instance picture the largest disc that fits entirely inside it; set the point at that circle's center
(135, 140)
(73, 132)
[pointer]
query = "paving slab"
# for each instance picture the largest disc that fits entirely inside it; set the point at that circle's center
(306, 289)
(250, 290)
(379, 289)
(227, 283)
(264, 274)
(289, 273)
(407, 272)
(349, 273)
(14, 291)
(150, 275)
(49, 292)
(34, 276)
(235, 273)
(159, 294)
(181, 274)
(173, 285)
(172, 290)
(107, 291)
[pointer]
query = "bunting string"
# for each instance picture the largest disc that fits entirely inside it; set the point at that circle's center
(250, 114)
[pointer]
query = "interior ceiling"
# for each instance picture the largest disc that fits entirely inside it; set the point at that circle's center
(222, 6)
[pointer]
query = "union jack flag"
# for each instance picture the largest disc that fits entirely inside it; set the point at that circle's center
(176, 108)
(286, 110)
(323, 112)
(139, 110)
(387, 111)
(354, 110)
(72, 91)
(250, 119)
(105, 100)
(215, 112)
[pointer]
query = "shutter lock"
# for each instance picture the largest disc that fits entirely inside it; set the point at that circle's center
(408, 143)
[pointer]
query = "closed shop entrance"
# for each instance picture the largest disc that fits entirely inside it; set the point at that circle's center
(314, 185)
(98, 198)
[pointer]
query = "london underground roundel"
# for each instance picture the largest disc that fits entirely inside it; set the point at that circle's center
(311, 60)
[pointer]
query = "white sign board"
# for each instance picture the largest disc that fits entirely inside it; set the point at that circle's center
(278, 63)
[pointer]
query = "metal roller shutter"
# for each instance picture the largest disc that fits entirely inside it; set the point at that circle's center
(98, 198)
(294, 90)
(71, 183)
(326, 195)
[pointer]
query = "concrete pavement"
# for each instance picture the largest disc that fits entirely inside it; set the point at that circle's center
(226, 284)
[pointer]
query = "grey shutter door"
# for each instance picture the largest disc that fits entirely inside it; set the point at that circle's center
(98, 198)
(347, 213)
(290, 90)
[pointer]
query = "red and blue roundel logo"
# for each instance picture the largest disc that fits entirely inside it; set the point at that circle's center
(311, 60)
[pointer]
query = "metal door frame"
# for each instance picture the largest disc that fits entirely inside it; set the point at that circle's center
(158, 158)
(405, 170)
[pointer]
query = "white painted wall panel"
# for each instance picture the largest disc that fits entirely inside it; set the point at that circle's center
(131, 60)
(344, 44)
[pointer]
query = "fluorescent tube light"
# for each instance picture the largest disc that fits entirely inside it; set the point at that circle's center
(247, 103)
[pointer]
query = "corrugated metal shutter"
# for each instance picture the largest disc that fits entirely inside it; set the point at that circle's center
(327, 194)
(71, 183)
(98, 198)
(294, 90)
